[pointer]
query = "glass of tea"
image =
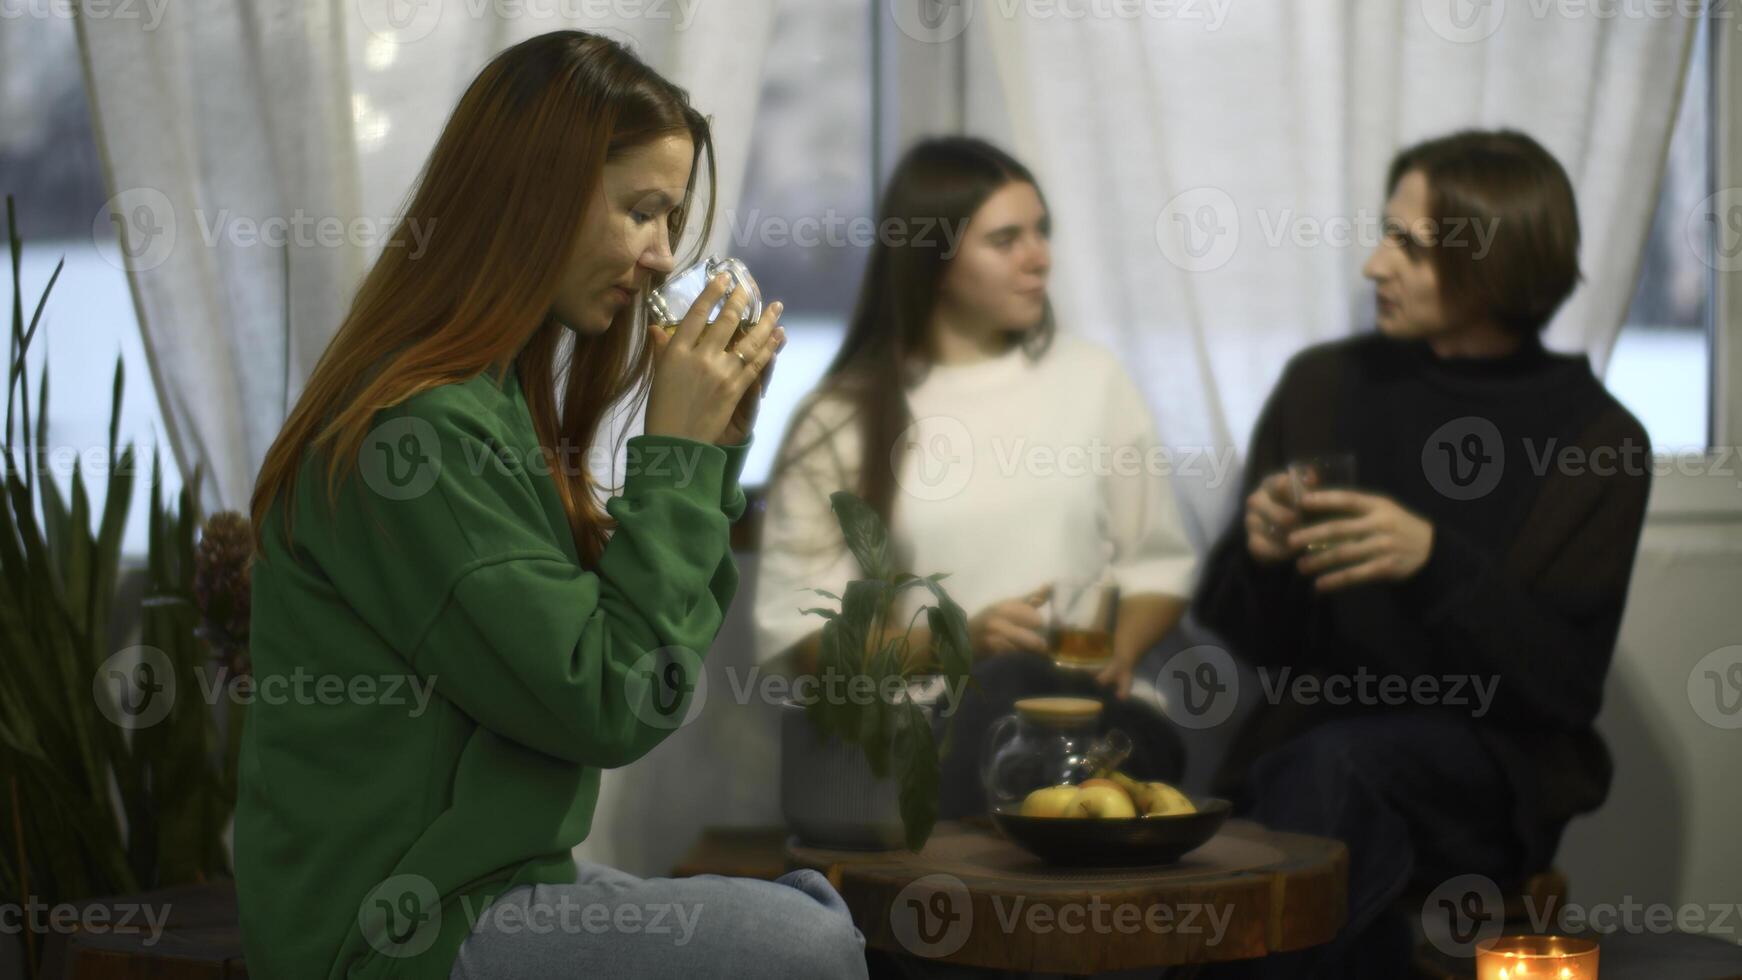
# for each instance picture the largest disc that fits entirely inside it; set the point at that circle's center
(1083, 615)
(1334, 471)
(668, 304)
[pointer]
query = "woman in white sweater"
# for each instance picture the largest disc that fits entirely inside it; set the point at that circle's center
(995, 449)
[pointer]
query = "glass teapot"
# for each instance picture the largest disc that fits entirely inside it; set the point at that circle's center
(1048, 741)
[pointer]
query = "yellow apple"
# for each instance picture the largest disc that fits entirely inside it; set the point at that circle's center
(1134, 789)
(1162, 800)
(1112, 783)
(1100, 801)
(1048, 801)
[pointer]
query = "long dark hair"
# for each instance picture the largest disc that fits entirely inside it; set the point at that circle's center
(940, 182)
(504, 190)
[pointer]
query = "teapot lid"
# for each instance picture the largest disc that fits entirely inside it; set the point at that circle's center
(1058, 709)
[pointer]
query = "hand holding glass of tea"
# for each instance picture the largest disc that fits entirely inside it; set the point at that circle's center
(1270, 516)
(1083, 616)
(1359, 537)
(1011, 625)
(1274, 511)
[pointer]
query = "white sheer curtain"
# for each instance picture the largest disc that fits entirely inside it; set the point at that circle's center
(1216, 175)
(229, 126)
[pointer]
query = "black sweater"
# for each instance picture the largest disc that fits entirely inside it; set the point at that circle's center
(1530, 564)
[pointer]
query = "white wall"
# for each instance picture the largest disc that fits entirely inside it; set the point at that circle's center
(1668, 832)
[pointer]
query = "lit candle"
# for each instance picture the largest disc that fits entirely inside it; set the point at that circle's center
(1536, 958)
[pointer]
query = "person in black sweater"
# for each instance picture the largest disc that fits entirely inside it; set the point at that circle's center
(1474, 573)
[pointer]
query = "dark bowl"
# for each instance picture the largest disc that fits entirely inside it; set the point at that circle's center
(1087, 842)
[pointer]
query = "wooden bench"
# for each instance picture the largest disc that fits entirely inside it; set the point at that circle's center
(200, 938)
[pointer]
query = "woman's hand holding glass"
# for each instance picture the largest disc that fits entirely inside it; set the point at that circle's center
(1010, 626)
(1270, 516)
(704, 387)
(1358, 537)
(1376, 540)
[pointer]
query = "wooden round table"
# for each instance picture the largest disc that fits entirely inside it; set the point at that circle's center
(974, 898)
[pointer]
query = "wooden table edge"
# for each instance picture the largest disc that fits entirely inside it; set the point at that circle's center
(1309, 913)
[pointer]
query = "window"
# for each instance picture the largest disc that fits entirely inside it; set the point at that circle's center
(49, 164)
(1661, 368)
(808, 196)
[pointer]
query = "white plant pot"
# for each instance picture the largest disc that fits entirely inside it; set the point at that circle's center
(828, 794)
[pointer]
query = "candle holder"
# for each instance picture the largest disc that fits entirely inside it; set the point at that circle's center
(1536, 958)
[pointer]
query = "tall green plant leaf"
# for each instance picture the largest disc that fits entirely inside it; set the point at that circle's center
(866, 535)
(916, 760)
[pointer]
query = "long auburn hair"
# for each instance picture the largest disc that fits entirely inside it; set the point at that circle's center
(941, 180)
(503, 193)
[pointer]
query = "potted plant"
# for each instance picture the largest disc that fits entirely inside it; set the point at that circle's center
(860, 738)
(95, 797)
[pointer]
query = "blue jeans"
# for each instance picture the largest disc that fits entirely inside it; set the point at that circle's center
(612, 924)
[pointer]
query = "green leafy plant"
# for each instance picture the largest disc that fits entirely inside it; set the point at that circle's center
(65, 737)
(860, 649)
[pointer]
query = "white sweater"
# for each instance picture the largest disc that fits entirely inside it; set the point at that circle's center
(1014, 475)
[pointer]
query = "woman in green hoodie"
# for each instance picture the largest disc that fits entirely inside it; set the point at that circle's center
(451, 636)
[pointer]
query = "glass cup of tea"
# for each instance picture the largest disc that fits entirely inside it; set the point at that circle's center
(671, 302)
(1083, 614)
(1333, 471)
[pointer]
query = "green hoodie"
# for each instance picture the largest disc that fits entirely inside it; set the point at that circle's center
(438, 680)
